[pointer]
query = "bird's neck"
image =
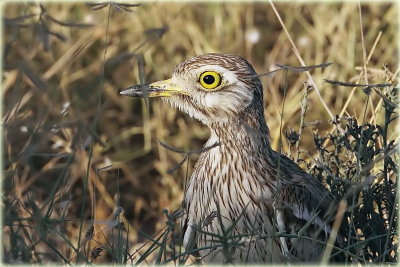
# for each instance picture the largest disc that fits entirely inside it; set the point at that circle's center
(248, 132)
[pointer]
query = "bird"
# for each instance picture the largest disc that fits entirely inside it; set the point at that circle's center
(244, 202)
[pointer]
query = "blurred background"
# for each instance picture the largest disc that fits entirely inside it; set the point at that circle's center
(77, 154)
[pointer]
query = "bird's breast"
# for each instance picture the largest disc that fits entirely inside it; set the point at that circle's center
(230, 189)
(231, 182)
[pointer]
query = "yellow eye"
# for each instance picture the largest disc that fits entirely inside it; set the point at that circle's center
(210, 79)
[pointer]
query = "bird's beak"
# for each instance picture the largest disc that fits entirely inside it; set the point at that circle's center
(157, 89)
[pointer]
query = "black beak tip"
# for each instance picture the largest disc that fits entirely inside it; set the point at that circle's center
(131, 91)
(123, 92)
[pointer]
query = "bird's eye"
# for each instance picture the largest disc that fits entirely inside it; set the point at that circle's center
(210, 79)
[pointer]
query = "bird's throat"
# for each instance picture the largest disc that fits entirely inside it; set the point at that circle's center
(247, 132)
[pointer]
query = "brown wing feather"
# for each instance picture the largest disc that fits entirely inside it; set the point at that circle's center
(306, 211)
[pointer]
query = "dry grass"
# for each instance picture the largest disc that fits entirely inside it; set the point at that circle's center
(75, 152)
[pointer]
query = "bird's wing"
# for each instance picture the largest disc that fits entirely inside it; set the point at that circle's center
(305, 198)
(305, 210)
(308, 201)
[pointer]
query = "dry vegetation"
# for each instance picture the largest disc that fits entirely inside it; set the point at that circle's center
(77, 155)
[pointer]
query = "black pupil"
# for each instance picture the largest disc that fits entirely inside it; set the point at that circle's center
(209, 79)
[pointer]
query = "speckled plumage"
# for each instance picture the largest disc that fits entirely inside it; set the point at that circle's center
(242, 184)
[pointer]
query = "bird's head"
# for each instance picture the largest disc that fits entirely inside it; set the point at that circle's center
(210, 88)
